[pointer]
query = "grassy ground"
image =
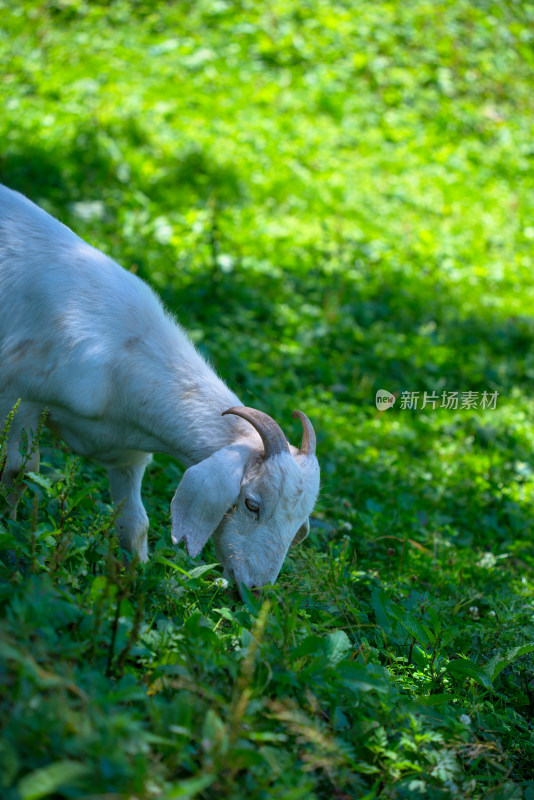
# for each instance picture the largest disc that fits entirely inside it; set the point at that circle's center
(335, 198)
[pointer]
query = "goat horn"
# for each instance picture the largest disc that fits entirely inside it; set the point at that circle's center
(272, 436)
(307, 447)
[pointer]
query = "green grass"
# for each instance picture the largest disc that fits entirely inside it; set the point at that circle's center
(335, 198)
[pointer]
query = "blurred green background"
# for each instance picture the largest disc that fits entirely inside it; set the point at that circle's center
(334, 198)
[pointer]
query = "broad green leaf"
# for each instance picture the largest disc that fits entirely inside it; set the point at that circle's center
(338, 645)
(464, 668)
(47, 780)
(40, 480)
(227, 614)
(379, 600)
(436, 622)
(194, 573)
(496, 664)
(361, 677)
(214, 732)
(421, 633)
(311, 645)
(189, 788)
(434, 699)
(98, 587)
(171, 564)
(420, 657)
(198, 571)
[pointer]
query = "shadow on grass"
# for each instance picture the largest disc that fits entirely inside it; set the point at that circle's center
(277, 338)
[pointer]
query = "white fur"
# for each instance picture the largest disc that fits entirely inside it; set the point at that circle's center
(91, 342)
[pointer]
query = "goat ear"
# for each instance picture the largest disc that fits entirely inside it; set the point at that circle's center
(203, 496)
(301, 534)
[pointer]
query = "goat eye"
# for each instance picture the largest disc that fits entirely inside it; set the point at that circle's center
(252, 505)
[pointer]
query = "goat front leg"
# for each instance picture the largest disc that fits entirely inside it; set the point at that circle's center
(132, 521)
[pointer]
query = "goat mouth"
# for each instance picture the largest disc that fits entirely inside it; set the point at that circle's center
(254, 590)
(256, 593)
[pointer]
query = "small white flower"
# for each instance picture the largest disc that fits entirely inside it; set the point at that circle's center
(492, 613)
(345, 526)
(465, 720)
(487, 561)
(221, 582)
(473, 610)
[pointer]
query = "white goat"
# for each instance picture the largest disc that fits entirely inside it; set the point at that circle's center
(91, 342)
